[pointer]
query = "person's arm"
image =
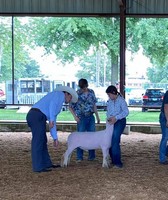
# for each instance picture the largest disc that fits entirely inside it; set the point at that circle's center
(166, 113)
(96, 113)
(74, 115)
(52, 127)
(54, 109)
(95, 107)
(124, 110)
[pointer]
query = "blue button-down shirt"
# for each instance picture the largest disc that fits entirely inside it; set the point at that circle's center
(117, 108)
(51, 105)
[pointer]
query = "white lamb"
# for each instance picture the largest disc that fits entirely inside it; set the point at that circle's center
(88, 141)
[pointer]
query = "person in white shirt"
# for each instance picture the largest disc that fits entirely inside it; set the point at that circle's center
(117, 111)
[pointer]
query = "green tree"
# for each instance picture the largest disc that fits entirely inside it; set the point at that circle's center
(74, 37)
(95, 67)
(32, 70)
(21, 55)
(152, 35)
(158, 74)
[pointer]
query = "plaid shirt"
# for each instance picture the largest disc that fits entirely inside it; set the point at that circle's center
(117, 108)
(85, 103)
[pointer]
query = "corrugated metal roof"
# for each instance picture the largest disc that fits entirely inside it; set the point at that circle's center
(133, 7)
(59, 6)
(147, 7)
(136, 7)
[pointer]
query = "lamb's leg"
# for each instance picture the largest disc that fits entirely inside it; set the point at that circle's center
(62, 160)
(108, 159)
(106, 162)
(69, 158)
(66, 157)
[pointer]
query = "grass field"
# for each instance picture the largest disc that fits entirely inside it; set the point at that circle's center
(134, 116)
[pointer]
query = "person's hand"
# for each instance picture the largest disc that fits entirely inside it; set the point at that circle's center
(56, 143)
(51, 124)
(77, 119)
(112, 120)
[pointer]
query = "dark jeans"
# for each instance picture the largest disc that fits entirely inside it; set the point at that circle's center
(115, 150)
(163, 148)
(39, 151)
(86, 124)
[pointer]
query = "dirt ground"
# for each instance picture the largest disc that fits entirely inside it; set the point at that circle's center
(141, 178)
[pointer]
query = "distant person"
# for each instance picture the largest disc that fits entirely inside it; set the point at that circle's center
(117, 111)
(45, 109)
(83, 111)
(163, 119)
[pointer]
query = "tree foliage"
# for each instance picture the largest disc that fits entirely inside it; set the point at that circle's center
(73, 37)
(152, 35)
(21, 56)
(158, 74)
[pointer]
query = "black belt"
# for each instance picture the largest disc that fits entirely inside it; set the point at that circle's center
(87, 114)
(36, 109)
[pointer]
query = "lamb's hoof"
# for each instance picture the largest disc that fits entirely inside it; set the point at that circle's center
(78, 161)
(107, 165)
(63, 165)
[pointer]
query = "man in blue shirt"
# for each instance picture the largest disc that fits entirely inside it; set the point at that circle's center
(46, 109)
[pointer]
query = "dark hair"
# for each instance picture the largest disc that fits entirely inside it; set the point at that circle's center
(112, 89)
(83, 83)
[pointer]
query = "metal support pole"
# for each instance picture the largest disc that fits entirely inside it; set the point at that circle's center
(122, 46)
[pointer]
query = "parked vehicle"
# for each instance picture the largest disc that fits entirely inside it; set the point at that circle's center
(135, 98)
(152, 99)
(101, 104)
(64, 107)
(135, 101)
(2, 103)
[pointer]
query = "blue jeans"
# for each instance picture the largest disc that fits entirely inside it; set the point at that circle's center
(86, 124)
(163, 149)
(115, 150)
(39, 151)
